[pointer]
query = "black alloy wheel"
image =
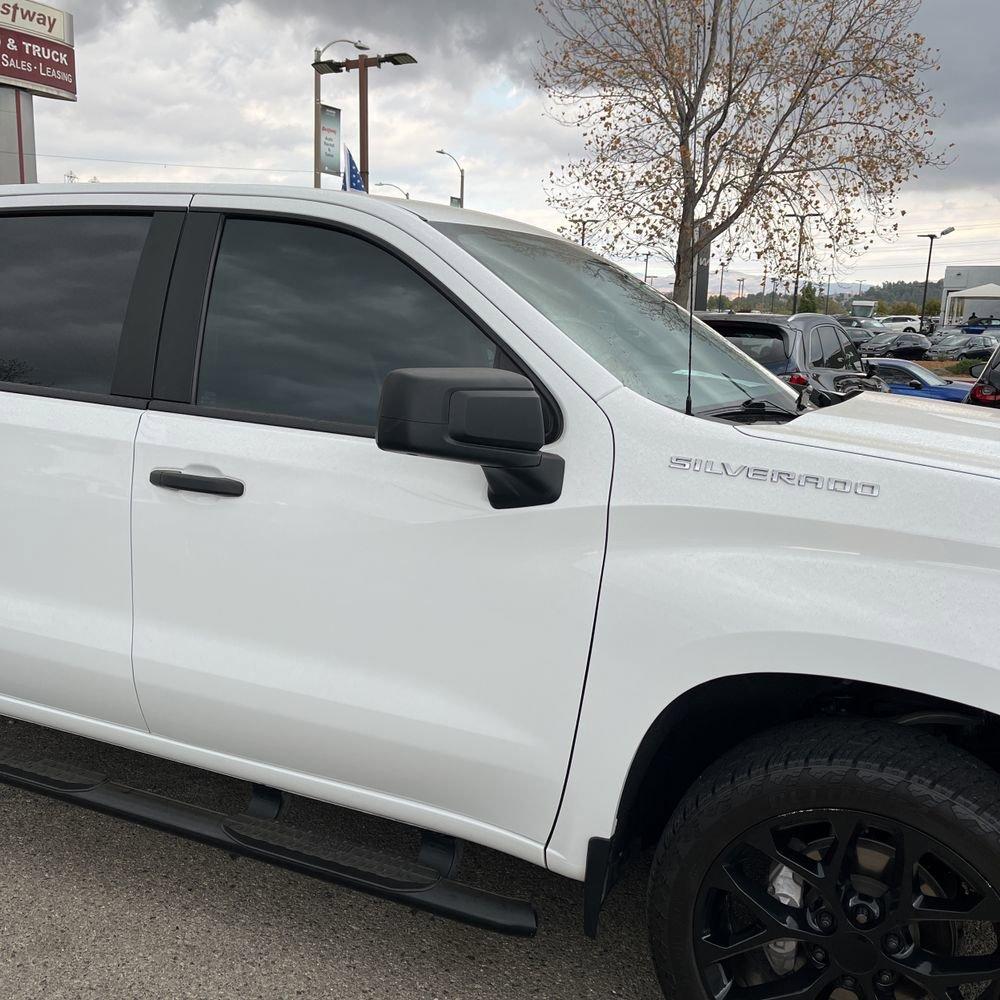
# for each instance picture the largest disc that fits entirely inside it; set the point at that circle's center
(840, 861)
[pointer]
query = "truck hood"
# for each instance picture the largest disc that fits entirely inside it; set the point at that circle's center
(943, 435)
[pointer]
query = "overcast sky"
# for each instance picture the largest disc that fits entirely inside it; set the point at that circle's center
(223, 86)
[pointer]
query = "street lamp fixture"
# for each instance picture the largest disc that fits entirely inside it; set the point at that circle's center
(582, 223)
(362, 64)
(386, 184)
(461, 176)
(927, 277)
(317, 104)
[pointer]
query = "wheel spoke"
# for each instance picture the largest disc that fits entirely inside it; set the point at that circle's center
(845, 830)
(973, 908)
(784, 921)
(710, 951)
(943, 971)
(806, 984)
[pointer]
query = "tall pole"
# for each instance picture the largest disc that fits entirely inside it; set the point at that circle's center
(363, 115)
(774, 288)
(645, 277)
(461, 187)
(801, 216)
(317, 122)
(927, 277)
(722, 274)
(582, 223)
(826, 308)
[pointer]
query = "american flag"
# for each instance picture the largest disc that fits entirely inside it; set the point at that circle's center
(352, 176)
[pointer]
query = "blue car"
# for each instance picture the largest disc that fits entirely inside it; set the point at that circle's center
(907, 378)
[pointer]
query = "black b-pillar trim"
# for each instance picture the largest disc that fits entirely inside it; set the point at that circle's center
(133, 375)
(177, 359)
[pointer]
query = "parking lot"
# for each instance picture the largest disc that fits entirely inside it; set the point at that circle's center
(97, 907)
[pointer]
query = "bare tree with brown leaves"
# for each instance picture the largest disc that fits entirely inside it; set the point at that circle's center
(709, 120)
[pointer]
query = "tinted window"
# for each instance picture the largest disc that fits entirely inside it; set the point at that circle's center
(307, 322)
(833, 349)
(65, 282)
(765, 345)
(816, 356)
(894, 376)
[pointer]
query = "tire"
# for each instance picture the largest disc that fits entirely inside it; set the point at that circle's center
(909, 329)
(891, 777)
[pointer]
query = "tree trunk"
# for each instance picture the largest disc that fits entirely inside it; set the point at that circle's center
(683, 287)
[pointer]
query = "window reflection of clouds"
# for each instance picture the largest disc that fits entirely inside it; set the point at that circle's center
(64, 287)
(637, 334)
(307, 322)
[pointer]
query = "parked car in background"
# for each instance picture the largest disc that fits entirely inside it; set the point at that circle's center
(989, 325)
(986, 391)
(902, 324)
(961, 347)
(855, 328)
(897, 345)
(907, 378)
(808, 350)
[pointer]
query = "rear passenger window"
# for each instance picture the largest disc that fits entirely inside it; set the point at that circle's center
(833, 351)
(307, 322)
(65, 282)
(816, 358)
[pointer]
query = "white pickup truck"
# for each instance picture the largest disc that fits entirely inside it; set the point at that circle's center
(436, 516)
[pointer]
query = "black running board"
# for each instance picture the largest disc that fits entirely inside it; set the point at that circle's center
(257, 833)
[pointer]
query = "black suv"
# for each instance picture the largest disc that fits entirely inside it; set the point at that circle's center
(913, 346)
(808, 350)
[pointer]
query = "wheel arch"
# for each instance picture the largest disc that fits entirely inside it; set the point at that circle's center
(710, 719)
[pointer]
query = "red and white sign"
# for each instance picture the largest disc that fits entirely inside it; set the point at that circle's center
(37, 64)
(37, 19)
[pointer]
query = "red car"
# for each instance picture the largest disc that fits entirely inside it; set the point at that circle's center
(986, 391)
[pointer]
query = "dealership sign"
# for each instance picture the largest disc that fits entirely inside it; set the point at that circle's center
(36, 49)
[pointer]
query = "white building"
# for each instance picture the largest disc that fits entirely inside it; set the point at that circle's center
(959, 277)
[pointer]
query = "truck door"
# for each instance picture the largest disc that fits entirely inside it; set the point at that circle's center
(359, 616)
(81, 290)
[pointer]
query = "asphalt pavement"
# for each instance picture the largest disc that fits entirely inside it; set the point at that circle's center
(96, 907)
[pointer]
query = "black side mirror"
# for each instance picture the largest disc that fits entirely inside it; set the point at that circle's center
(915, 383)
(486, 416)
(976, 371)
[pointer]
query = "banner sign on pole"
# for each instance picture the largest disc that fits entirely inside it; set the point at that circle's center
(330, 139)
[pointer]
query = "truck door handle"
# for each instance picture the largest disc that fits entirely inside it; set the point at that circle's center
(171, 479)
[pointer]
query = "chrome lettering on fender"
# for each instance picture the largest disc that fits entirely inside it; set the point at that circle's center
(761, 475)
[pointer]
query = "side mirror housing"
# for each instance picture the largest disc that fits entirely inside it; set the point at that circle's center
(484, 416)
(976, 371)
(915, 383)
(481, 415)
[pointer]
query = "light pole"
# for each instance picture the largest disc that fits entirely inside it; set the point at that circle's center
(722, 275)
(461, 176)
(386, 184)
(927, 277)
(645, 277)
(582, 223)
(801, 216)
(739, 295)
(362, 64)
(318, 104)
(826, 308)
(774, 288)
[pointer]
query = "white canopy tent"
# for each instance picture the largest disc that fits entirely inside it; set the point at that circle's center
(957, 301)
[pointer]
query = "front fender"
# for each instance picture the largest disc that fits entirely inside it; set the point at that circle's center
(708, 577)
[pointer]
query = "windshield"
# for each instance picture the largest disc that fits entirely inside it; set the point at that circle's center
(628, 327)
(882, 338)
(952, 341)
